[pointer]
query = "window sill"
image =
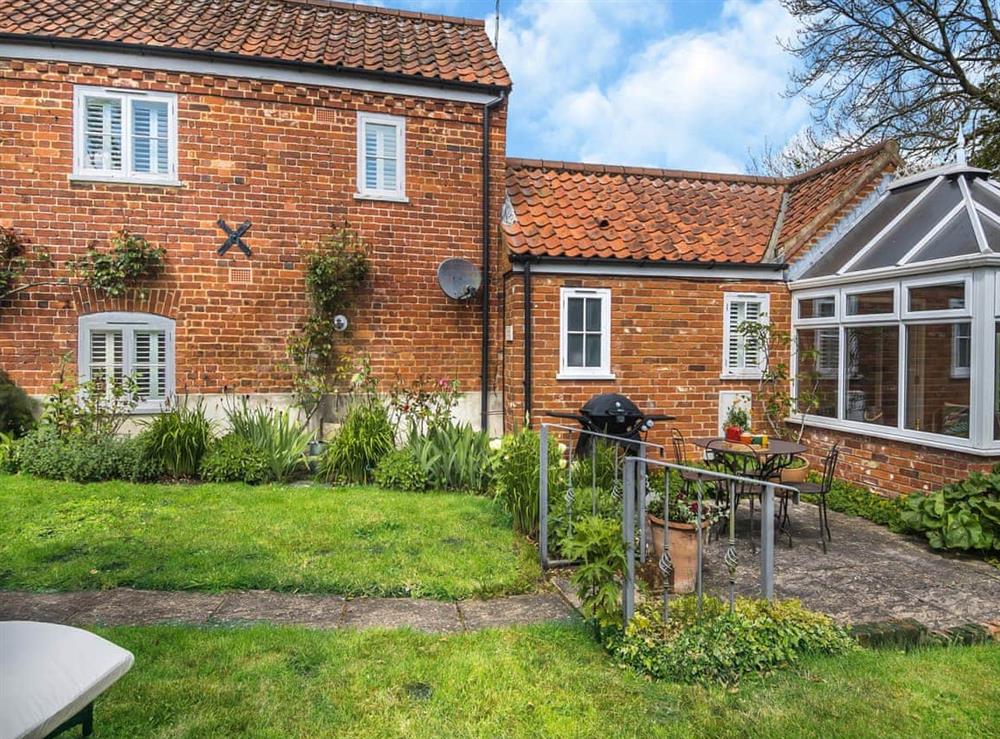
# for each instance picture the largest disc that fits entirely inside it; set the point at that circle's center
(739, 376)
(381, 197)
(915, 438)
(98, 179)
(585, 376)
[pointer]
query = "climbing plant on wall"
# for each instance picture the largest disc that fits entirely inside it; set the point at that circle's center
(335, 268)
(128, 259)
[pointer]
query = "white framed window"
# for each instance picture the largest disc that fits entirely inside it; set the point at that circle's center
(961, 343)
(137, 345)
(742, 357)
(381, 157)
(124, 135)
(585, 334)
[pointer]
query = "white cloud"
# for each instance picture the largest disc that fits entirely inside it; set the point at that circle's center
(611, 82)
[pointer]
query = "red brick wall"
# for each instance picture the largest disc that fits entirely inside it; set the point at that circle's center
(666, 348)
(283, 157)
(891, 467)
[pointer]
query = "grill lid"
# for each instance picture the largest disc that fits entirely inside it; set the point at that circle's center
(611, 405)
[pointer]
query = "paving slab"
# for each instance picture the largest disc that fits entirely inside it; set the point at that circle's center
(320, 611)
(430, 616)
(868, 573)
(64, 608)
(127, 607)
(514, 610)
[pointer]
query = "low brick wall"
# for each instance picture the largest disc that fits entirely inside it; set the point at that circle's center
(892, 467)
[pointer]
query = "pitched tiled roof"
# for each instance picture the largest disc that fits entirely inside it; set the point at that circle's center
(339, 35)
(581, 210)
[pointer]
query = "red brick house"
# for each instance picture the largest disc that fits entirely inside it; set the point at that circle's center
(290, 114)
(166, 117)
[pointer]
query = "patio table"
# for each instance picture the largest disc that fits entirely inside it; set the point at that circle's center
(775, 457)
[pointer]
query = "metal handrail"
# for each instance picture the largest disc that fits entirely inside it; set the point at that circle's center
(543, 485)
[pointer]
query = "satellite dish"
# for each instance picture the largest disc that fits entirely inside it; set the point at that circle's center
(459, 278)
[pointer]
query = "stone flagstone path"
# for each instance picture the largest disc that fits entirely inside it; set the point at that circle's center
(126, 607)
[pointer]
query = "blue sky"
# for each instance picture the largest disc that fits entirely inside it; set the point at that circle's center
(690, 84)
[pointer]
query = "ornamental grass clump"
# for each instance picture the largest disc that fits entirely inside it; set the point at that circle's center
(179, 438)
(717, 646)
(515, 470)
(272, 436)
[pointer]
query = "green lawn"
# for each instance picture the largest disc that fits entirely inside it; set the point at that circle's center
(533, 681)
(352, 541)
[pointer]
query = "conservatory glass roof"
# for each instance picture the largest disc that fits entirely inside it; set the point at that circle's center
(950, 211)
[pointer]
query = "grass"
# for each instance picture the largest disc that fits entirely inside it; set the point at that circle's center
(533, 681)
(351, 541)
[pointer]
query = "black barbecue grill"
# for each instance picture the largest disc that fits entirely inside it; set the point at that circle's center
(612, 414)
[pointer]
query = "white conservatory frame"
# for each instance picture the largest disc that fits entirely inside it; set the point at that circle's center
(982, 310)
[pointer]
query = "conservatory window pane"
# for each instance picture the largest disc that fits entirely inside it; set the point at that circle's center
(996, 384)
(868, 304)
(937, 397)
(938, 297)
(824, 307)
(818, 351)
(873, 374)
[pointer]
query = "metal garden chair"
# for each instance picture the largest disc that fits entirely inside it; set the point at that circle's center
(821, 490)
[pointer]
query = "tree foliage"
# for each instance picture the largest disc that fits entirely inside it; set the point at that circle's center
(911, 70)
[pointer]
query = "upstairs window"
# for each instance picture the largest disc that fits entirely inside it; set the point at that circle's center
(129, 136)
(741, 355)
(113, 346)
(381, 157)
(585, 335)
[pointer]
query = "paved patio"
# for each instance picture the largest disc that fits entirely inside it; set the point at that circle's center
(867, 574)
(127, 607)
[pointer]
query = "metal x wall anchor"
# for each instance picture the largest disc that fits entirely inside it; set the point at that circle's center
(235, 237)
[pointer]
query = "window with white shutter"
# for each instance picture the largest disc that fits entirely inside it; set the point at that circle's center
(381, 156)
(585, 334)
(741, 355)
(136, 345)
(126, 135)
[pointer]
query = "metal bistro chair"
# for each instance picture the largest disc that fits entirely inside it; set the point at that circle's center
(822, 489)
(742, 460)
(689, 477)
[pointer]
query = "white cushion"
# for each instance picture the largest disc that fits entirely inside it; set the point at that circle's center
(49, 673)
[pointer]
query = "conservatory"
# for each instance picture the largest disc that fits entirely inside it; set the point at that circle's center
(896, 319)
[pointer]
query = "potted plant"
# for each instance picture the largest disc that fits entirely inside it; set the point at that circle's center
(683, 524)
(796, 471)
(736, 422)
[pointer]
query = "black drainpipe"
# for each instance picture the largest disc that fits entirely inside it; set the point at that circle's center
(485, 380)
(527, 342)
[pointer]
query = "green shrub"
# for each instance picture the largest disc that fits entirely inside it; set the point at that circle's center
(234, 459)
(855, 500)
(722, 647)
(606, 458)
(278, 438)
(178, 438)
(137, 462)
(9, 462)
(364, 438)
(400, 470)
(16, 417)
(43, 453)
(596, 542)
(453, 456)
(963, 515)
(515, 468)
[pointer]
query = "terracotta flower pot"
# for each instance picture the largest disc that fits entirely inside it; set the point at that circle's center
(795, 474)
(683, 551)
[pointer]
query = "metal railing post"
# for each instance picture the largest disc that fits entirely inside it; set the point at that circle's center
(767, 543)
(628, 537)
(643, 472)
(543, 496)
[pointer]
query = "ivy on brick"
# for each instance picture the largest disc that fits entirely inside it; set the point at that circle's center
(335, 268)
(130, 259)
